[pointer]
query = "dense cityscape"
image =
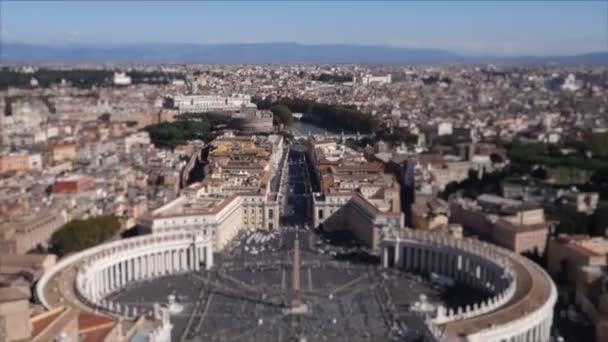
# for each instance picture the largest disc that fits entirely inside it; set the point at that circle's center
(462, 201)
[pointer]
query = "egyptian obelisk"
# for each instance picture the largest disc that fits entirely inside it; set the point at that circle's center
(297, 300)
(297, 305)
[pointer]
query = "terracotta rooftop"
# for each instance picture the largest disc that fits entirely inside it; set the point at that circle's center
(90, 321)
(42, 321)
(55, 326)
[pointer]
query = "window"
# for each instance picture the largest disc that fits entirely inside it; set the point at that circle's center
(320, 214)
(270, 214)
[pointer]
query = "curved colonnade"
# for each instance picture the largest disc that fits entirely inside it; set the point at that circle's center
(523, 295)
(520, 307)
(104, 269)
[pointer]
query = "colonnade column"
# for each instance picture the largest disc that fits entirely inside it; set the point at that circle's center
(133, 273)
(97, 286)
(156, 265)
(94, 287)
(142, 267)
(166, 262)
(167, 258)
(138, 268)
(151, 265)
(116, 272)
(208, 257)
(146, 260)
(175, 261)
(111, 278)
(195, 254)
(183, 253)
(123, 273)
(161, 263)
(104, 281)
(398, 255)
(108, 280)
(385, 256)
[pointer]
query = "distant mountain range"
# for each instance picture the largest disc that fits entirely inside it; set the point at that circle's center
(265, 53)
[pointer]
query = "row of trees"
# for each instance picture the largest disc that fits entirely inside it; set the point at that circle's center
(334, 117)
(474, 186)
(552, 156)
(571, 222)
(597, 144)
(78, 235)
(186, 127)
(334, 78)
(81, 78)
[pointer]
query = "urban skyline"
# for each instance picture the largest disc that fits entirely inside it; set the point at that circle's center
(494, 27)
(303, 191)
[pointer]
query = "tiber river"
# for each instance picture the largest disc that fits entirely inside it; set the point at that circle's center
(302, 128)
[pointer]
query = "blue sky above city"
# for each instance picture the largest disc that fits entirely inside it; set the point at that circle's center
(475, 27)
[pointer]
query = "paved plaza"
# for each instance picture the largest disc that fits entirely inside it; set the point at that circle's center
(245, 296)
(248, 293)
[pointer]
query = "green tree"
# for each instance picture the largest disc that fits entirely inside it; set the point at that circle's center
(496, 158)
(186, 127)
(540, 173)
(78, 235)
(398, 135)
(598, 143)
(282, 115)
(345, 118)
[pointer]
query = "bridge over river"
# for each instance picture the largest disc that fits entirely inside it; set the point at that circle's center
(302, 130)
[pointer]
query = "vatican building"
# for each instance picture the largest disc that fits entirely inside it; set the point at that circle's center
(303, 241)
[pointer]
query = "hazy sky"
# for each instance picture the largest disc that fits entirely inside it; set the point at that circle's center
(501, 27)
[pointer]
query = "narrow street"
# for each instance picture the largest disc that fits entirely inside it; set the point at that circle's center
(296, 189)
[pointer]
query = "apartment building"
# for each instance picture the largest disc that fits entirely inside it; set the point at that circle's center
(63, 152)
(429, 214)
(581, 262)
(73, 184)
(516, 225)
(14, 162)
(355, 194)
(207, 103)
(18, 236)
(567, 254)
(235, 194)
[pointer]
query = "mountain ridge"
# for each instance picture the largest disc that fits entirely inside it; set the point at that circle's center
(265, 53)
